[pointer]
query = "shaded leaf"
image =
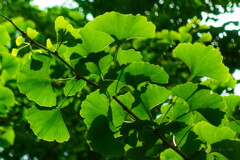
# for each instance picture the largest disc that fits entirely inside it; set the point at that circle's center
(47, 124)
(7, 136)
(73, 86)
(184, 91)
(5, 38)
(101, 138)
(6, 96)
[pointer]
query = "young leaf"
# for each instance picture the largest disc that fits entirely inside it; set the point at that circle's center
(128, 56)
(202, 60)
(19, 40)
(101, 138)
(47, 124)
(123, 26)
(35, 82)
(32, 33)
(94, 105)
(211, 134)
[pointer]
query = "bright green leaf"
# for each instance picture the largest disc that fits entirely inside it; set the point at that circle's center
(128, 56)
(184, 91)
(73, 86)
(93, 40)
(211, 134)
(19, 40)
(152, 91)
(101, 138)
(170, 154)
(6, 96)
(231, 102)
(123, 26)
(205, 99)
(5, 38)
(118, 114)
(7, 136)
(94, 105)
(35, 82)
(205, 37)
(47, 124)
(32, 33)
(202, 61)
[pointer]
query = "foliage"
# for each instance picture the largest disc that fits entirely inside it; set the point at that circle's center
(129, 105)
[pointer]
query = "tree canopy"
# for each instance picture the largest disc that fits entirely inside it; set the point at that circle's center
(144, 79)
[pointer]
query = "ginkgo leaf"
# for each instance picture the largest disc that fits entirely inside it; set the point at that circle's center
(138, 72)
(101, 138)
(211, 134)
(32, 33)
(5, 38)
(73, 86)
(231, 102)
(6, 96)
(10, 64)
(152, 91)
(118, 114)
(184, 91)
(7, 136)
(35, 82)
(123, 26)
(94, 105)
(202, 60)
(19, 40)
(128, 56)
(170, 154)
(205, 99)
(47, 124)
(93, 40)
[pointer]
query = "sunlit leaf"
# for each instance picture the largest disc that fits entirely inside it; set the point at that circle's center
(19, 40)
(184, 91)
(32, 33)
(73, 86)
(170, 154)
(6, 96)
(205, 99)
(231, 102)
(7, 136)
(152, 91)
(211, 134)
(47, 124)
(128, 56)
(94, 105)
(202, 60)
(123, 26)
(35, 82)
(5, 38)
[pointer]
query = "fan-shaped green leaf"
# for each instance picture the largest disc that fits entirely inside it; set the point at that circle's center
(128, 56)
(205, 99)
(7, 136)
(101, 138)
(123, 26)
(184, 91)
(231, 102)
(211, 134)
(170, 154)
(5, 38)
(73, 86)
(10, 64)
(32, 33)
(19, 40)
(202, 61)
(47, 124)
(6, 96)
(35, 82)
(94, 105)
(138, 72)
(118, 114)
(93, 40)
(152, 91)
